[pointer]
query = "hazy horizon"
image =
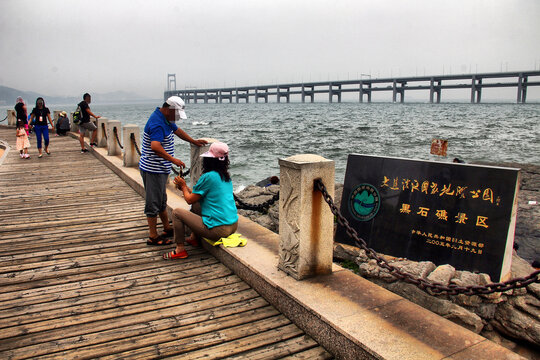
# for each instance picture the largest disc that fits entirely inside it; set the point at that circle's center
(68, 48)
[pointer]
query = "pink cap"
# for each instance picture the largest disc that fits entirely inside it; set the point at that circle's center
(217, 150)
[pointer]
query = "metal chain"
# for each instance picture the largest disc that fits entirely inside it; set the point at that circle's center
(117, 139)
(132, 137)
(423, 284)
(180, 172)
(103, 130)
(262, 208)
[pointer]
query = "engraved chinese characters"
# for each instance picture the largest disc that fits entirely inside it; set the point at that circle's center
(443, 212)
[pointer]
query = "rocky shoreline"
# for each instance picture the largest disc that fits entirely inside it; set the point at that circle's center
(511, 319)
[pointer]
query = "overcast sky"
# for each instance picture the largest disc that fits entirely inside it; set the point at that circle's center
(65, 48)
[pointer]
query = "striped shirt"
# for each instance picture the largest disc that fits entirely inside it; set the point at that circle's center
(157, 129)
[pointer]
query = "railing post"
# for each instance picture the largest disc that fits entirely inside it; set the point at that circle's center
(12, 118)
(131, 156)
(112, 144)
(306, 224)
(56, 115)
(74, 127)
(195, 160)
(101, 138)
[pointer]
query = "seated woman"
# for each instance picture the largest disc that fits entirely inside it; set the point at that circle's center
(214, 193)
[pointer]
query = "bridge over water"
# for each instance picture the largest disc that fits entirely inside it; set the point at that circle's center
(78, 281)
(364, 88)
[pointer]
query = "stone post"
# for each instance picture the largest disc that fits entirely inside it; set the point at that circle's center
(131, 156)
(196, 160)
(306, 224)
(56, 115)
(74, 127)
(102, 132)
(12, 118)
(112, 144)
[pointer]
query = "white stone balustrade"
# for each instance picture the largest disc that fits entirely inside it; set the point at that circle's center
(74, 127)
(131, 156)
(101, 139)
(113, 148)
(12, 118)
(306, 224)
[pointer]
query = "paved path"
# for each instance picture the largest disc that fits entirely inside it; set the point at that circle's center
(77, 279)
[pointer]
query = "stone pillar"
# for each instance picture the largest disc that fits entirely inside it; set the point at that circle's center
(101, 138)
(74, 127)
(11, 118)
(112, 144)
(196, 160)
(56, 115)
(131, 156)
(306, 224)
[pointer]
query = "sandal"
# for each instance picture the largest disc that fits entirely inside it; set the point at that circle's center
(168, 232)
(158, 241)
(174, 255)
(192, 242)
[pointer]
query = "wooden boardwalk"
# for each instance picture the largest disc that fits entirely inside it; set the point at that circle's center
(78, 281)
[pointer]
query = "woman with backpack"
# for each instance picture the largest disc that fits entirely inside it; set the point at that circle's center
(38, 120)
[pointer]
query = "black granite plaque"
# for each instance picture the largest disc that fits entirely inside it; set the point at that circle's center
(447, 213)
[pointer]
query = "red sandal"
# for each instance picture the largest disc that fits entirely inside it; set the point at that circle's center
(192, 242)
(171, 255)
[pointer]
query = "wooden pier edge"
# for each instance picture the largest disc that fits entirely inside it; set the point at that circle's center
(349, 316)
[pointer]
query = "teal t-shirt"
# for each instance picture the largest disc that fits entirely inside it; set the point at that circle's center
(217, 200)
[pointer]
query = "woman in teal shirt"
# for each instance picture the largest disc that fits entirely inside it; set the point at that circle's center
(214, 213)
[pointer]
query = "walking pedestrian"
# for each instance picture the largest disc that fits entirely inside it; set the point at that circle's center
(38, 120)
(86, 124)
(157, 157)
(22, 140)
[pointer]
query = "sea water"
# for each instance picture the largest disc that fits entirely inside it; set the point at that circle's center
(259, 134)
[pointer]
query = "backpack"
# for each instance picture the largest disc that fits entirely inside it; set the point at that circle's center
(77, 115)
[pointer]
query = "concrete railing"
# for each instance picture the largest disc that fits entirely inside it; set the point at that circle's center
(306, 223)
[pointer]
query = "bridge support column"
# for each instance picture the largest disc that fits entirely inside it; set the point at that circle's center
(112, 144)
(476, 90)
(195, 171)
(306, 224)
(102, 132)
(398, 90)
(131, 156)
(11, 118)
(522, 89)
(434, 89)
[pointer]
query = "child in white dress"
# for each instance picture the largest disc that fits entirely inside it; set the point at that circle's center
(22, 140)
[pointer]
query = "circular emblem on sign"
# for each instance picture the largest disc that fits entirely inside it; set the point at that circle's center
(364, 202)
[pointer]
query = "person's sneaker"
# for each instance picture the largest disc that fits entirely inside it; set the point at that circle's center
(93, 144)
(84, 150)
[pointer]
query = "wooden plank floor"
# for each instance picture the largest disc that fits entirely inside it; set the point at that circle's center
(78, 281)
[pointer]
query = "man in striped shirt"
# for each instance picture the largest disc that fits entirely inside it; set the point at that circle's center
(157, 157)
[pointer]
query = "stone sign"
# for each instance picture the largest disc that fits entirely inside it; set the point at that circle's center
(458, 214)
